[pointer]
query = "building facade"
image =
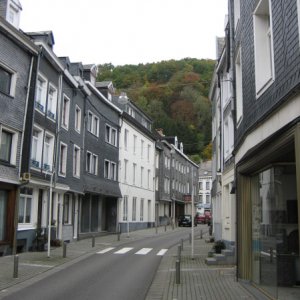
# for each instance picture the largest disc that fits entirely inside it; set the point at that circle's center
(267, 135)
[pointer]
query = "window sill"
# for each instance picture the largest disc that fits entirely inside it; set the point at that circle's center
(7, 95)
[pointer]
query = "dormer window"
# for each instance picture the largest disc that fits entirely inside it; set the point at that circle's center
(13, 13)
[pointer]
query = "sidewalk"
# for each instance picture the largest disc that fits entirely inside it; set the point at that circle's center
(198, 281)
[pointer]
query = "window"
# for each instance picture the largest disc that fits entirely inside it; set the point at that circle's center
(142, 176)
(148, 179)
(134, 173)
(13, 15)
(148, 152)
(113, 171)
(7, 81)
(77, 119)
(63, 159)
(125, 169)
(201, 185)
(207, 185)
(134, 209)
(125, 139)
(125, 208)
(142, 148)
(142, 210)
(76, 161)
(239, 87)
(25, 203)
(93, 124)
(48, 152)
(91, 163)
(110, 170)
(52, 102)
(36, 147)
(41, 93)
(8, 146)
(236, 12)
(65, 112)
(263, 46)
(134, 144)
(67, 215)
(111, 135)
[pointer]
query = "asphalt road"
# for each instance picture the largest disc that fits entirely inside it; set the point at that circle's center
(126, 275)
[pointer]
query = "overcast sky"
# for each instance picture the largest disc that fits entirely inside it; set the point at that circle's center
(128, 31)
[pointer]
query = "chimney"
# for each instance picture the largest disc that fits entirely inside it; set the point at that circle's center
(160, 131)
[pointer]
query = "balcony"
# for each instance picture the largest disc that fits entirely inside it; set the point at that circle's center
(39, 106)
(35, 163)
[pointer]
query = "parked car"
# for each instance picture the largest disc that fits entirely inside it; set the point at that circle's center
(185, 220)
(207, 215)
(200, 218)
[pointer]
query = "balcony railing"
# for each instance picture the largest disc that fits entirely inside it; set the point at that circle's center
(51, 115)
(35, 163)
(39, 106)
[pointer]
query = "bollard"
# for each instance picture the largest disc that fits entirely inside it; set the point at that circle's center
(64, 250)
(16, 265)
(165, 228)
(179, 252)
(173, 226)
(156, 229)
(271, 255)
(93, 241)
(177, 272)
(119, 232)
(181, 244)
(201, 234)
(190, 238)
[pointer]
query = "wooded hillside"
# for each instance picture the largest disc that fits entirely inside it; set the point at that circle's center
(174, 94)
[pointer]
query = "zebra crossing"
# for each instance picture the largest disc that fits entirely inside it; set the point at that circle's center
(143, 251)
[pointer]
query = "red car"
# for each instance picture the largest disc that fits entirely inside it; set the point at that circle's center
(200, 218)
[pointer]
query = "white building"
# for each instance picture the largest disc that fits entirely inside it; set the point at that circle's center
(136, 171)
(205, 184)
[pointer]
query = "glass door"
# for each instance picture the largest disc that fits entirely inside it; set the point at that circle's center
(275, 238)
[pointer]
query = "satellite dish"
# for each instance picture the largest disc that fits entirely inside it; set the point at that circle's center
(123, 99)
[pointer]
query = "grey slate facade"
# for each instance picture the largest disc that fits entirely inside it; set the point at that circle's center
(14, 99)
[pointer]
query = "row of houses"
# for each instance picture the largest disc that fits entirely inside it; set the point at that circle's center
(256, 148)
(76, 159)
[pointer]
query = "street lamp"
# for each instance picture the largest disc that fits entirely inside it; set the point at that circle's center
(50, 211)
(192, 248)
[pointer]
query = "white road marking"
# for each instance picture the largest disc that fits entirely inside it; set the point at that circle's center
(144, 251)
(123, 250)
(105, 250)
(162, 252)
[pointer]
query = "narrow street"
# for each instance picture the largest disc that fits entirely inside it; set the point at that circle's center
(114, 272)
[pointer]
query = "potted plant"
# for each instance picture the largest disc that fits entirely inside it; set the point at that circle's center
(219, 246)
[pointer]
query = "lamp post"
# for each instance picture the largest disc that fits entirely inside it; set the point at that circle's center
(192, 229)
(50, 212)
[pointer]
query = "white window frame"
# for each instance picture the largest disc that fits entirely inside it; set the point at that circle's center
(111, 132)
(48, 161)
(67, 212)
(63, 154)
(13, 146)
(93, 124)
(52, 102)
(134, 208)
(92, 166)
(13, 14)
(237, 13)
(41, 94)
(134, 174)
(125, 170)
(126, 135)
(13, 80)
(134, 143)
(26, 198)
(38, 140)
(65, 112)
(77, 121)
(239, 87)
(125, 208)
(142, 148)
(263, 47)
(142, 176)
(76, 161)
(142, 209)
